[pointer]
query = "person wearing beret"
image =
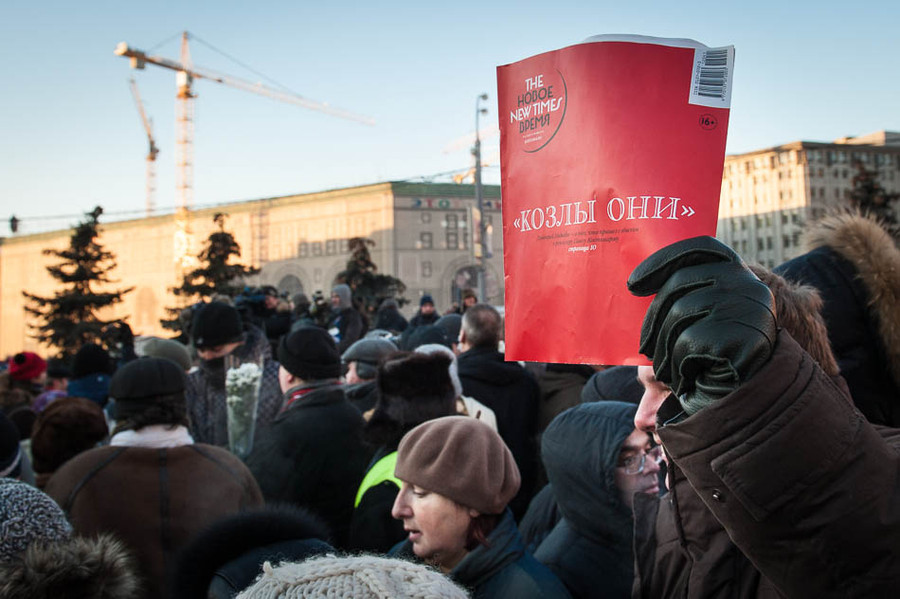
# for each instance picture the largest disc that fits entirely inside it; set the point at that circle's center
(312, 455)
(457, 478)
(153, 486)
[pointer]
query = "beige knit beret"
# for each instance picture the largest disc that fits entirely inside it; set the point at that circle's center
(364, 576)
(462, 459)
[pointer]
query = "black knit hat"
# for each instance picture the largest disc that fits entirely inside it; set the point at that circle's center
(146, 378)
(310, 353)
(91, 359)
(216, 324)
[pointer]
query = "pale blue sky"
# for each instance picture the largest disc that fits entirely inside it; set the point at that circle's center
(70, 136)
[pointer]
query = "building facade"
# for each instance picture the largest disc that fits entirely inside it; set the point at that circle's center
(768, 195)
(422, 234)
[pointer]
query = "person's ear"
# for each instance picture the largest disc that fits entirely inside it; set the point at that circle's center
(473, 513)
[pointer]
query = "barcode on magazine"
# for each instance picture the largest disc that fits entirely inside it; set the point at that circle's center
(711, 77)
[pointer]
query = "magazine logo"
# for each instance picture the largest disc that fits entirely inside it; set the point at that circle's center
(539, 111)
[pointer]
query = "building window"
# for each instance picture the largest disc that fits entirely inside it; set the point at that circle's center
(452, 240)
(426, 269)
(317, 248)
(426, 218)
(331, 247)
(345, 246)
(768, 243)
(785, 241)
(450, 221)
(759, 245)
(302, 249)
(426, 241)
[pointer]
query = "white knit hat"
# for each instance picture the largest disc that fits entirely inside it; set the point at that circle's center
(364, 576)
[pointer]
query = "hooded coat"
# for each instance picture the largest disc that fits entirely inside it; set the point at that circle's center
(205, 392)
(590, 548)
(513, 395)
(347, 325)
(77, 568)
(855, 265)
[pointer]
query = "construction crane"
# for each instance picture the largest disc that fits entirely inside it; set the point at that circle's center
(151, 153)
(185, 73)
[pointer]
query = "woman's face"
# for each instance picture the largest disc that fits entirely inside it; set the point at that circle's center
(437, 526)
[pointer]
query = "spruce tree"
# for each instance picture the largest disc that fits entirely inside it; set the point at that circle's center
(69, 319)
(871, 198)
(369, 286)
(216, 275)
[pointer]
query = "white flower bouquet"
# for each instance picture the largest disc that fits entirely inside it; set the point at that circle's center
(242, 382)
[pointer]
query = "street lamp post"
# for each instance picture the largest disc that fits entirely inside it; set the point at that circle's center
(479, 202)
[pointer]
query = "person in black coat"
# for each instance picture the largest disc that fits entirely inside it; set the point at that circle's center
(312, 454)
(504, 387)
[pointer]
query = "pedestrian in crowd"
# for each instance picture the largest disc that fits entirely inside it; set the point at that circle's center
(229, 555)
(425, 334)
(679, 542)
(412, 389)
(801, 482)
(92, 369)
(616, 384)
(560, 387)
(451, 324)
(361, 360)
(66, 428)
(13, 458)
(347, 325)
(457, 480)
(855, 264)
(152, 487)
(218, 333)
(301, 316)
(19, 386)
(596, 461)
(426, 314)
(56, 386)
(465, 406)
(504, 387)
(363, 577)
(389, 318)
(40, 557)
(313, 454)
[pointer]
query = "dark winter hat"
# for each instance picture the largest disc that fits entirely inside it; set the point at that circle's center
(310, 353)
(91, 359)
(367, 353)
(468, 292)
(146, 378)
(26, 365)
(58, 369)
(270, 291)
(450, 323)
(426, 299)
(67, 427)
(216, 324)
(462, 459)
(419, 379)
(27, 515)
(618, 383)
(10, 450)
(425, 334)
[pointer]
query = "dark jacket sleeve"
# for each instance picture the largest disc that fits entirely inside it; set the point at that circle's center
(804, 485)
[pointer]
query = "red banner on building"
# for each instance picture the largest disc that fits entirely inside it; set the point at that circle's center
(610, 149)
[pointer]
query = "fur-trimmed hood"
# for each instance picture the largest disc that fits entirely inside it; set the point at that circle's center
(855, 265)
(79, 568)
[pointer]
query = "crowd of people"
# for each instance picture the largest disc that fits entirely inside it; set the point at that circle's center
(758, 456)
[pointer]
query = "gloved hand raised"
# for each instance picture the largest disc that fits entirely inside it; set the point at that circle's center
(711, 325)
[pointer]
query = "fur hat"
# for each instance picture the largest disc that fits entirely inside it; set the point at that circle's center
(310, 353)
(413, 388)
(27, 516)
(618, 383)
(26, 365)
(91, 359)
(216, 324)
(157, 347)
(364, 577)
(98, 568)
(67, 427)
(462, 459)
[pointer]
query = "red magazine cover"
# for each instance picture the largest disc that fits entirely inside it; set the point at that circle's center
(609, 149)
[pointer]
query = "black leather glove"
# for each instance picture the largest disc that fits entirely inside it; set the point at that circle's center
(711, 325)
